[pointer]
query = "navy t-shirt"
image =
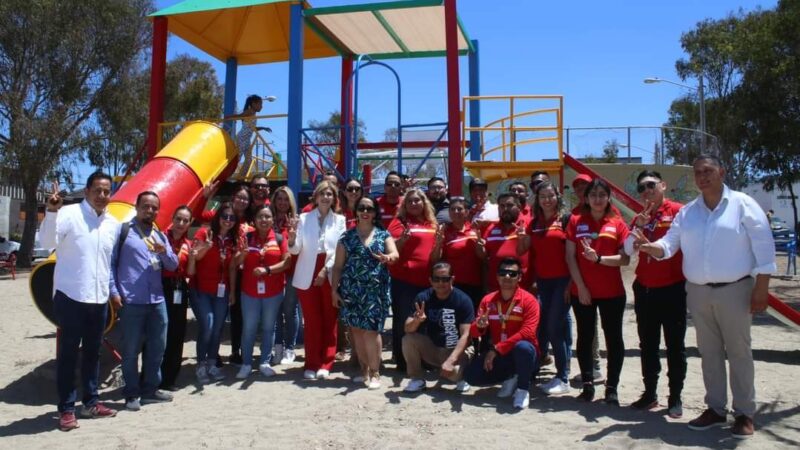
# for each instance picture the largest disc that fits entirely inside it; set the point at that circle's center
(444, 316)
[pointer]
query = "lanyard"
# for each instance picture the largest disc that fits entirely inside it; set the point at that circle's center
(222, 255)
(504, 317)
(148, 240)
(261, 248)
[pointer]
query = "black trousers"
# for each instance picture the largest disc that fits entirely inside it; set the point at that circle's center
(658, 308)
(176, 330)
(403, 295)
(611, 311)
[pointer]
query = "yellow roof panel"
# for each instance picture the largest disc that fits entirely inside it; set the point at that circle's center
(360, 32)
(421, 29)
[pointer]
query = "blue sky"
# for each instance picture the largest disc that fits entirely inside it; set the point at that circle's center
(595, 54)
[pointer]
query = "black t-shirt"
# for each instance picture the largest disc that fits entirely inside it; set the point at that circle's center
(444, 316)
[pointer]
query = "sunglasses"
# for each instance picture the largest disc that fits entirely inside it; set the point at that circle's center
(365, 209)
(353, 189)
(441, 279)
(646, 185)
(261, 186)
(228, 217)
(507, 273)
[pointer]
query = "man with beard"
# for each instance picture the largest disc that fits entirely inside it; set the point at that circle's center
(502, 238)
(139, 256)
(437, 194)
(259, 192)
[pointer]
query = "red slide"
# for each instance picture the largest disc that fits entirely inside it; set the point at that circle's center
(777, 308)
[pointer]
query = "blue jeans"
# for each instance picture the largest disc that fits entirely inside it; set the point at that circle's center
(78, 323)
(210, 312)
(288, 323)
(554, 322)
(255, 310)
(521, 361)
(148, 324)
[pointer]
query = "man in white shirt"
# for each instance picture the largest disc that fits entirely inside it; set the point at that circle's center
(83, 236)
(728, 256)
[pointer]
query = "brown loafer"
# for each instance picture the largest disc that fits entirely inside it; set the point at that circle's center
(708, 419)
(743, 427)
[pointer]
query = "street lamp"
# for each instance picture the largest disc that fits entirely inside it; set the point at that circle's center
(270, 98)
(700, 92)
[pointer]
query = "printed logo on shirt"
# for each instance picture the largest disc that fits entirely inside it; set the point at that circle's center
(496, 231)
(582, 227)
(446, 318)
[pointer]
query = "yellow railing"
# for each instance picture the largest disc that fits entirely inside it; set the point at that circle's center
(509, 126)
(260, 156)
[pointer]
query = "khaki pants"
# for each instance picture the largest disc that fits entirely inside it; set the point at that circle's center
(418, 347)
(722, 321)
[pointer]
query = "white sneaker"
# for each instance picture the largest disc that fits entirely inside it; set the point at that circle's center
(244, 371)
(462, 386)
(549, 385)
(415, 385)
(508, 387)
(266, 370)
(374, 383)
(558, 388)
(202, 373)
(215, 373)
(309, 375)
(277, 355)
(288, 356)
(323, 374)
(521, 399)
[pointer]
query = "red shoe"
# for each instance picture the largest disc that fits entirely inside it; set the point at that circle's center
(98, 411)
(67, 421)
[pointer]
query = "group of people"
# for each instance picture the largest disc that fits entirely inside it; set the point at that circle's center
(480, 291)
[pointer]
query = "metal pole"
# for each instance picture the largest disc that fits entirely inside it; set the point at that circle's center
(568, 141)
(701, 93)
(663, 150)
(629, 146)
(158, 75)
(474, 105)
(346, 165)
(455, 168)
(295, 122)
(229, 102)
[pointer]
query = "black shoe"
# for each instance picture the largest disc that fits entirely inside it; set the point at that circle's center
(588, 392)
(218, 363)
(235, 359)
(646, 402)
(611, 397)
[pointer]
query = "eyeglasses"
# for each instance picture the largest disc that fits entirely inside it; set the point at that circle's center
(441, 279)
(227, 217)
(365, 209)
(394, 185)
(507, 273)
(646, 185)
(353, 189)
(261, 186)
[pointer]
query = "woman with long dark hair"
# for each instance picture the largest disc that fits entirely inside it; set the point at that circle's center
(211, 293)
(360, 286)
(594, 254)
(284, 211)
(351, 193)
(176, 294)
(241, 200)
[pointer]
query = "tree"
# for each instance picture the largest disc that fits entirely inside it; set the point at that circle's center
(59, 58)
(192, 91)
(390, 135)
(610, 151)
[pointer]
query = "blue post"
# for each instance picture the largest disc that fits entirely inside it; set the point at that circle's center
(474, 105)
(295, 121)
(229, 103)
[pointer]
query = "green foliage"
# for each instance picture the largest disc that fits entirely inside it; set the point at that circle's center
(610, 151)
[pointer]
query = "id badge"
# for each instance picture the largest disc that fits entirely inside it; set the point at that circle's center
(503, 337)
(221, 290)
(155, 263)
(261, 287)
(177, 297)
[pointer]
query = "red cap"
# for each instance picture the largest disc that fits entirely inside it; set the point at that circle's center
(581, 177)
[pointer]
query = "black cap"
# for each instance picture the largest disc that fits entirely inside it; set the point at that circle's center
(477, 182)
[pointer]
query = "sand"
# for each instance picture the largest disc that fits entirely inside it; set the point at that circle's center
(288, 412)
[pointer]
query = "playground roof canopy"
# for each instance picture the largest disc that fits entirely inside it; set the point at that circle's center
(257, 31)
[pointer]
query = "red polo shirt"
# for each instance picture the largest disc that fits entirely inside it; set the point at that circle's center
(606, 236)
(388, 211)
(180, 248)
(522, 323)
(458, 249)
(548, 248)
(414, 264)
(213, 268)
(650, 272)
(501, 243)
(263, 253)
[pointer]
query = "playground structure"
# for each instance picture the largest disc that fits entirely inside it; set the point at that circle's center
(241, 32)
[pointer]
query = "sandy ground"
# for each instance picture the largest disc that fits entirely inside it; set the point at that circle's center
(287, 412)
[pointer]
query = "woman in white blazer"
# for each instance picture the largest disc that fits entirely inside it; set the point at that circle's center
(313, 238)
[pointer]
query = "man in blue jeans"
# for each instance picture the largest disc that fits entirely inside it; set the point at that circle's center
(83, 235)
(510, 317)
(139, 256)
